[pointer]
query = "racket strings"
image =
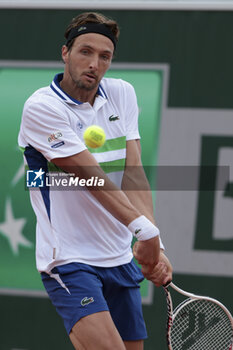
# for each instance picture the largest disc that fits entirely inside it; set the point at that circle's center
(201, 325)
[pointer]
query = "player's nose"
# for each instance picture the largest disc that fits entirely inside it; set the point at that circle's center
(94, 62)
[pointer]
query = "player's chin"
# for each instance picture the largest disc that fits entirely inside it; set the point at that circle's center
(90, 86)
(86, 84)
(90, 82)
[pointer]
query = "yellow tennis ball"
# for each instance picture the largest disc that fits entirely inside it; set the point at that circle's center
(94, 136)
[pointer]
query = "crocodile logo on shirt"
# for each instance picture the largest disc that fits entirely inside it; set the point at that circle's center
(113, 118)
(137, 231)
(85, 301)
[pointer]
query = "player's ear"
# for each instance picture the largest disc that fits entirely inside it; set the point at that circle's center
(64, 53)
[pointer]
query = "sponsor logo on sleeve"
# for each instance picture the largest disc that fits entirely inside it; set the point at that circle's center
(59, 144)
(79, 126)
(53, 137)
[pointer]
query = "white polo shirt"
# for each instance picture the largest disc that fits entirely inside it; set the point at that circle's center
(72, 226)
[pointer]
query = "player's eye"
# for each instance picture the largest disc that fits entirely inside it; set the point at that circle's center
(85, 52)
(105, 57)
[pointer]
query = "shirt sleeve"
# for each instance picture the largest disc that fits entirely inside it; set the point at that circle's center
(46, 129)
(131, 111)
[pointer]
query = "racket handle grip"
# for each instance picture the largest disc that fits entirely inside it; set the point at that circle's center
(167, 284)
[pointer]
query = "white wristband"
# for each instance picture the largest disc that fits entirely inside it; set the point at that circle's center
(143, 229)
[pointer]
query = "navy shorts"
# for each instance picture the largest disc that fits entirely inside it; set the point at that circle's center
(78, 290)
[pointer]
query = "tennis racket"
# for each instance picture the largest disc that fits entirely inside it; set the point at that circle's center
(198, 323)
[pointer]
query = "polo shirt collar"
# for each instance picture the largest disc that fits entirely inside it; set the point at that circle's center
(55, 86)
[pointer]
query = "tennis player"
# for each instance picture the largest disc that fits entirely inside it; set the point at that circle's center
(83, 237)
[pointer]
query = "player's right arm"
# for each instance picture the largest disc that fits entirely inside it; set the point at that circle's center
(84, 166)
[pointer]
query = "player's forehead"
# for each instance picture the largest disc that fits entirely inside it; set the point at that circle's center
(95, 41)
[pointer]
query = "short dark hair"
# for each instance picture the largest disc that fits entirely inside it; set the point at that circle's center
(92, 17)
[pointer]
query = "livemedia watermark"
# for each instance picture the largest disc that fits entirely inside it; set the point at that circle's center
(37, 179)
(133, 178)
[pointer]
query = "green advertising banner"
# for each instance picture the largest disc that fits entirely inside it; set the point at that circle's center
(18, 274)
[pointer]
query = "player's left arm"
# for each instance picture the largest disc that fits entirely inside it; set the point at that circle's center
(135, 183)
(137, 188)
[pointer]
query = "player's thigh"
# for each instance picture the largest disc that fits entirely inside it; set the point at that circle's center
(96, 332)
(124, 302)
(134, 345)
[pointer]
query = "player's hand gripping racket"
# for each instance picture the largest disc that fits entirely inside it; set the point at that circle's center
(198, 323)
